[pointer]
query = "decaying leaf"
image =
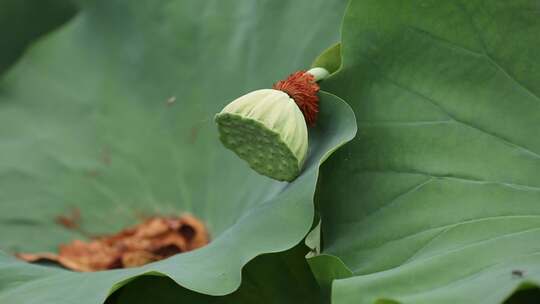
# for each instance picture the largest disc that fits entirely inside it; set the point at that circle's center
(155, 239)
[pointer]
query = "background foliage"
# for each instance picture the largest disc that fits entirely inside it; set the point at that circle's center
(437, 198)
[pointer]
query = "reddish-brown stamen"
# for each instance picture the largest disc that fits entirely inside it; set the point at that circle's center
(302, 88)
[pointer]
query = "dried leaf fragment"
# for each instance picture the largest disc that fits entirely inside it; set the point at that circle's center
(155, 239)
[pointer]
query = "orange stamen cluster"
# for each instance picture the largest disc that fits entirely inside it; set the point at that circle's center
(302, 88)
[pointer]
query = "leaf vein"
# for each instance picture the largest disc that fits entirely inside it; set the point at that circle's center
(465, 123)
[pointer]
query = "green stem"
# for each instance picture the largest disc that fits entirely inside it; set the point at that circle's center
(319, 73)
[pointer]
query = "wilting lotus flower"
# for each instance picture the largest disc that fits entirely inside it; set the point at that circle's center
(268, 127)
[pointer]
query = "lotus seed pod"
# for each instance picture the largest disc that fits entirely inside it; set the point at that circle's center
(267, 129)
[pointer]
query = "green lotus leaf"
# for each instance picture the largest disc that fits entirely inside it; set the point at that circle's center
(279, 272)
(23, 21)
(87, 121)
(437, 200)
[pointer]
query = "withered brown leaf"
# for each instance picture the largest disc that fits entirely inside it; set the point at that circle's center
(154, 239)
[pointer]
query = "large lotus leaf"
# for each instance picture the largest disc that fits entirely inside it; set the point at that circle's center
(85, 123)
(437, 200)
(269, 279)
(22, 21)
